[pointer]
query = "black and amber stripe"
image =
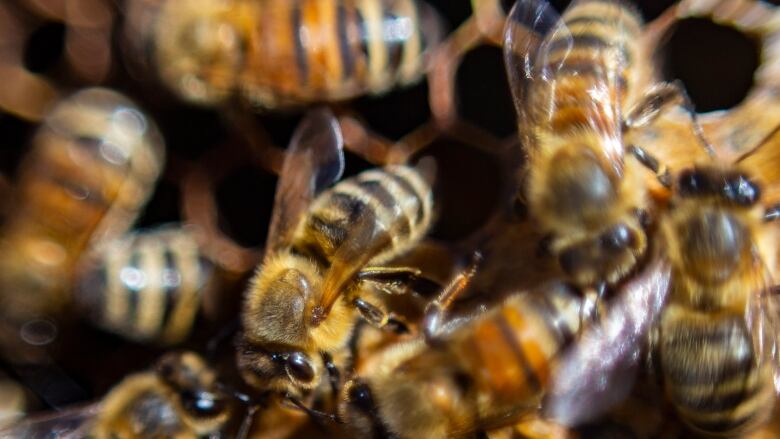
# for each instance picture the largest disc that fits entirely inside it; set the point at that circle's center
(147, 286)
(92, 166)
(392, 204)
(325, 50)
(596, 52)
(509, 352)
(711, 373)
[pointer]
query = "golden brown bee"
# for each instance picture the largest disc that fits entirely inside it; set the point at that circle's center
(717, 334)
(324, 258)
(92, 166)
(580, 82)
(281, 53)
(147, 286)
(715, 341)
(178, 399)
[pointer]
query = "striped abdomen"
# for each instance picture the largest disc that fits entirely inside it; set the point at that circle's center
(93, 164)
(602, 40)
(392, 207)
(322, 50)
(508, 353)
(710, 371)
(147, 286)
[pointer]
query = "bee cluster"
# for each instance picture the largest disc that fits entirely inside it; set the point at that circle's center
(389, 218)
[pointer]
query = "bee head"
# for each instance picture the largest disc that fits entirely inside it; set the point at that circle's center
(278, 368)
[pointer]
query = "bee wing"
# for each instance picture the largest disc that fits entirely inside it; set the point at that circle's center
(762, 315)
(528, 23)
(599, 370)
(314, 161)
(73, 423)
(539, 50)
(763, 162)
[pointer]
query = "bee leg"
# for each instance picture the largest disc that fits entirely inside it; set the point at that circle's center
(379, 317)
(434, 321)
(656, 101)
(316, 415)
(246, 423)
(650, 162)
(333, 372)
(772, 213)
(593, 304)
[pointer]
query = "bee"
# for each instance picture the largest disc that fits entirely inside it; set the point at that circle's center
(324, 258)
(714, 343)
(278, 53)
(93, 164)
(180, 398)
(580, 83)
(147, 286)
(15, 401)
(489, 371)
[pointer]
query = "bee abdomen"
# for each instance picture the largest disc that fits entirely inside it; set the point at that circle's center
(337, 49)
(711, 375)
(510, 352)
(601, 41)
(395, 202)
(146, 287)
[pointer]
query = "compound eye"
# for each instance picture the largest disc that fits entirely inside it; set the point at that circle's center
(299, 367)
(693, 182)
(359, 395)
(740, 190)
(617, 238)
(202, 404)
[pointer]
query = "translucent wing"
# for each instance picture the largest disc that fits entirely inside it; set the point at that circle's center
(763, 318)
(599, 370)
(73, 423)
(528, 23)
(571, 71)
(314, 161)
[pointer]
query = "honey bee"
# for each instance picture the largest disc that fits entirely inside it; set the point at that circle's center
(573, 78)
(714, 343)
(489, 372)
(323, 259)
(178, 399)
(147, 286)
(92, 166)
(278, 53)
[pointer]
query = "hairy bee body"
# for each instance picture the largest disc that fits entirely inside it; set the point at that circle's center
(588, 69)
(366, 219)
(395, 202)
(93, 164)
(718, 244)
(486, 374)
(280, 53)
(147, 286)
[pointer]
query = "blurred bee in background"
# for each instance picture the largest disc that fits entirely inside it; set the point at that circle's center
(277, 53)
(488, 372)
(93, 164)
(14, 399)
(715, 342)
(147, 286)
(572, 79)
(324, 258)
(179, 398)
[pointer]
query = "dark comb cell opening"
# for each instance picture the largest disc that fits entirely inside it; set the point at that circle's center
(44, 47)
(468, 184)
(485, 102)
(397, 113)
(245, 199)
(454, 12)
(189, 131)
(715, 63)
(163, 207)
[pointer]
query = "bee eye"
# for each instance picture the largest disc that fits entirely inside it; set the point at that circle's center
(693, 182)
(617, 238)
(202, 404)
(299, 367)
(740, 190)
(359, 395)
